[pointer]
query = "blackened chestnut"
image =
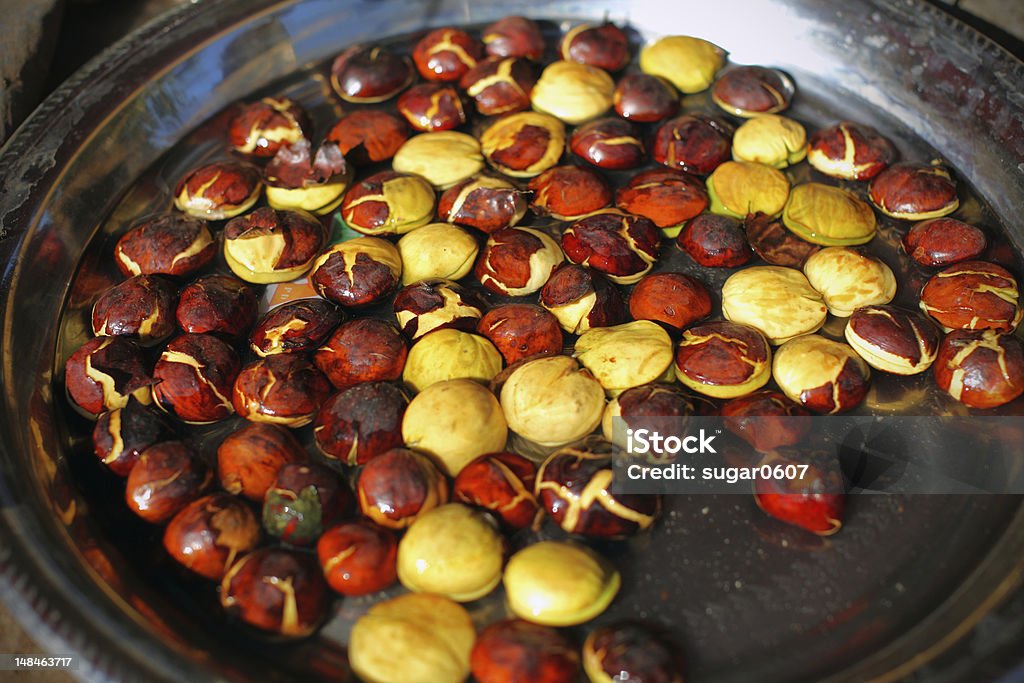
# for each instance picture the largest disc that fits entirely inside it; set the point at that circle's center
(517, 261)
(609, 143)
(766, 420)
(209, 534)
(358, 558)
(104, 373)
(517, 651)
(644, 98)
(943, 242)
(218, 190)
(604, 46)
(370, 74)
(752, 90)
(218, 304)
(669, 198)
(361, 422)
(193, 378)
(500, 85)
(569, 192)
(140, 308)
(622, 246)
(716, 241)
(850, 150)
(363, 350)
(628, 651)
(436, 304)
(695, 143)
(484, 202)
(980, 368)
(167, 245)
(304, 500)
(249, 458)
(165, 478)
(283, 389)
(973, 295)
(261, 128)
(395, 487)
(672, 299)
(432, 107)
(513, 37)
(121, 434)
(521, 331)
(581, 299)
(502, 483)
(358, 272)
(446, 54)
(272, 246)
(294, 327)
(914, 192)
(367, 136)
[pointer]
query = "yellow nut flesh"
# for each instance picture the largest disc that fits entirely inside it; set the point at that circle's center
(848, 280)
(688, 63)
(437, 250)
(558, 583)
(447, 354)
(201, 207)
(812, 361)
(625, 356)
(410, 202)
(552, 402)
(318, 199)
(375, 248)
(738, 188)
(572, 92)
(453, 422)
(502, 135)
(771, 140)
(778, 301)
(444, 158)
(828, 215)
(452, 550)
(254, 258)
(414, 638)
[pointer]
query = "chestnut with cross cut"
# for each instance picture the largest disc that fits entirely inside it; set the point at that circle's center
(193, 378)
(432, 107)
(973, 295)
(295, 327)
(500, 85)
(695, 143)
(484, 202)
(120, 435)
(261, 128)
(219, 190)
(980, 368)
(166, 478)
(436, 304)
(361, 422)
(173, 244)
(521, 331)
(502, 483)
(140, 308)
(622, 246)
(446, 54)
(218, 304)
(104, 374)
(367, 136)
(210, 533)
(610, 143)
(285, 389)
(850, 151)
(362, 350)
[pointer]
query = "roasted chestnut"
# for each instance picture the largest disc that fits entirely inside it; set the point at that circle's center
(893, 339)
(450, 354)
(140, 308)
(502, 483)
(669, 198)
(276, 590)
(367, 136)
(358, 272)
(218, 304)
(301, 179)
(581, 298)
(828, 215)
(521, 331)
(771, 140)
(644, 98)
(513, 37)
(432, 107)
(604, 46)
(672, 299)
(943, 242)
(261, 128)
(294, 327)
(436, 304)
(362, 350)
(272, 246)
(575, 93)
(766, 420)
(609, 143)
(850, 151)
(723, 359)
(516, 651)
(820, 374)
(121, 434)
(165, 479)
(437, 250)
(770, 239)
(569, 192)
(396, 486)
(445, 158)
(370, 74)
(484, 203)
(250, 457)
(388, 203)
(695, 143)
(193, 378)
(779, 302)
(715, 241)
(688, 63)
(168, 245)
(740, 188)
(283, 389)
(517, 261)
(209, 534)
(847, 280)
(626, 355)
(815, 501)
(500, 85)
(914, 192)
(358, 558)
(636, 405)
(980, 368)
(446, 54)
(304, 500)
(752, 91)
(629, 651)
(973, 295)
(622, 246)
(361, 422)
(523, 144)
(218, 190)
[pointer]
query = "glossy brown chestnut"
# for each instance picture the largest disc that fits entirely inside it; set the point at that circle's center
(770, 240)
(766, 420)
(645, 407)
(272, 246)
(517, 261)
(673, 299)
(502, 483)
(362, 350)
(513, 37)
(120, 435)
(751, 90)
(193, 378)
(432, 107)
(914, 191)
(822, 375)
(667, 197)
(850, 150)
(388, 203)
(358, 558)
(943, 242)
(358, 272)
(609, 143)
(645, 98)
(436, 304)
(361, 422)
(395, 487)
(628, 651)
(516, 651)
(261, 128)
(622, 246)
(218, 304)
(695, 143)
(815, 502)
(571, 470)
(276, 590)
(523, 144)
(980, 368)
(973, 295)
(446, 54)
(104, 373)
(581, 299)
(500, 85)
(569, 192)
(715, 241)
(283, 389)
(723, 359)
(604, 46)
(222, 189)
(304, 500)
(367, 136)
(893, 339)
(165, 479)
(520, 331)
(295, 327)
(168, 245)
(209, 534)
(140, 308)
(484, 203)
(370, 74)
(249, 458)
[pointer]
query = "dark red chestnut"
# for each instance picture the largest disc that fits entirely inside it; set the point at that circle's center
(104, 373)
(432, 107)
(484, 203)
(446, 54)
(500, 85)
(388, 203)
(604, 46)
(645, 407)
(517, 261)
(893, 339)
(723, 359)
(521, 331)
(980, 368)
(569, 192)
(669, 198)
(695, 143)
(581, 299)
(209, 534)
(140, 308)
(193, 378)
(513, 37)
(766, 420)
(502, 483)
(523, 144)
(120, 435)
(609, 143)
(395, 487)
(751, 90)
(516, 651)
(284, 389)
(361, 422)
(165, 479)
(358, 558)
(168, 245)
(261, 128)
(304, 500)
(814, 502)
(363, 350)
(770, 240)
(249, 459)
(973, 295)
(222, 189)
(716, 241)
(276, 590)
(218, 304)
(850, 151)
(367, 136)
(645, 98)
(628, 651)
(914, 191)
(436, 304)
(358, 272)
(268, 246)
(673, 299)
(295, 327)
(370, 74)
(944, 241)
(622, 246)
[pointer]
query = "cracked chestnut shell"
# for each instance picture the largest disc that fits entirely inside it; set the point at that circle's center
(820, 374)
(521, 331)
(672, 299)
(388, 203)
(193, 378)
(437, 304)
(513, 37)
(361, 422)
(892, 339)
(249, 458)
(432, 107)
(276, 590)
(628, 651)
(209, 534)
(748, 91)
(268, 246)
(716, 241)
(121, 434)
(602, 45)
(484, 202)
(669, 198)
(644, 98)
(770, 239)
(517, 261)
(261, 128)
(219, 190)
(501, 483)
(569, 192)
(516, 651)
(370, 74)
(723, 359)
(571, 470)
(500, 85)
(980, 368)
(367, 136)
(695, 143)
(362, 350)
(973, 295)
(358, 558)
(304, 500)
(165, 479)
(104, 373)
(283, 389)
(358, 272)
(300, 178)
(218, 304)
(766, 420)
(581, 299)
(610, 143)
(446, 54)
(914, 192)
(523, 144)
(140, 308)
(815, 502)
(295, 327)
(621, 246)
(943, 242)
(396, 486)
(167, 245)
(850, 151)
(637, 407)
